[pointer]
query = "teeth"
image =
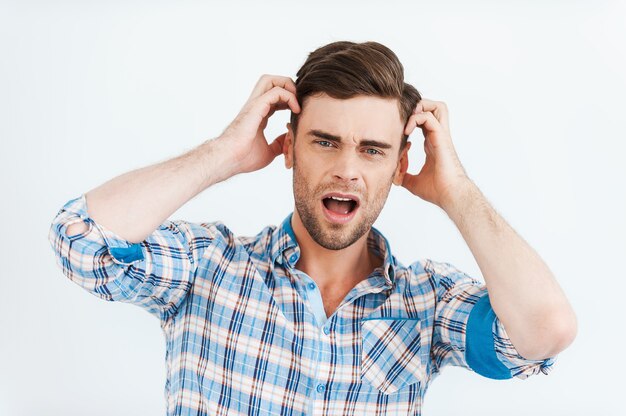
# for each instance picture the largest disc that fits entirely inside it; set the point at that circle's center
(336, 198)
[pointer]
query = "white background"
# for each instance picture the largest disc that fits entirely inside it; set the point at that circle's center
(90, 90)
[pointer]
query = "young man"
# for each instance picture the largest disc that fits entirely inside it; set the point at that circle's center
(316, 316)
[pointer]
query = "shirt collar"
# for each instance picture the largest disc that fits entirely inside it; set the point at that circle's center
(286, 252)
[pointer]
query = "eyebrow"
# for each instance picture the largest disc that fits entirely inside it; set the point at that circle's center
(332, 137)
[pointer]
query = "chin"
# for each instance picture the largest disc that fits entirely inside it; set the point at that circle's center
(334, 235)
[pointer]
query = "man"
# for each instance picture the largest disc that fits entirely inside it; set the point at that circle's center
(316, 316)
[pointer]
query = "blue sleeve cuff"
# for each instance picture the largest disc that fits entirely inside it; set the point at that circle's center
(127, 254)
(121, 250)
(480, 352)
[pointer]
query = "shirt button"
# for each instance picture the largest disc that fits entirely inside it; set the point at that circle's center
(293, 258)
(326, 330)
(321, 388)
(311, 286)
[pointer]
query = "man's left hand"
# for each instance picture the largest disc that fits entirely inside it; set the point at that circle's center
(442, 174)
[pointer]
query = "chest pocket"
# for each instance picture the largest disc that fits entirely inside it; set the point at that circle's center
(392, 355)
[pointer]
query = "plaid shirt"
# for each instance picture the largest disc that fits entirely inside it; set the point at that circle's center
(247, 333)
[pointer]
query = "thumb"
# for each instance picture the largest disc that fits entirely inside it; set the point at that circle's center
(411, 182)
(276, 147)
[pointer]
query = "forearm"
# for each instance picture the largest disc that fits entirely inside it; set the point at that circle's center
(523, 291)
(135, 203)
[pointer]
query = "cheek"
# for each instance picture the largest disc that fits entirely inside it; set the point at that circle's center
(309, 169)
(305, 180)
(380, 178)
(378, 186)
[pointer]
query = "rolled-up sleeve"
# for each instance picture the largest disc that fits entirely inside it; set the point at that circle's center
(489, 350)
(467, 331)
(155, 274)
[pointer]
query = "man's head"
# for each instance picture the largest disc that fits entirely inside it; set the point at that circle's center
(347, 145)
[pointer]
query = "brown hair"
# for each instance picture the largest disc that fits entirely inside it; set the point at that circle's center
(346, 69)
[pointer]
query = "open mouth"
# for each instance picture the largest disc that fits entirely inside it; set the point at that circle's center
(340, 208)
(339, 205)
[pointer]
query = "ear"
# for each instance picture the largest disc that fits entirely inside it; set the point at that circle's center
(403, 165)
(288, 147)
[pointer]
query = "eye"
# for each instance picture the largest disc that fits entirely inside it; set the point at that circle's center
(373, 152)
(324, 143)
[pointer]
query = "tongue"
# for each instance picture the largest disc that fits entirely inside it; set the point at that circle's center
(339, 207)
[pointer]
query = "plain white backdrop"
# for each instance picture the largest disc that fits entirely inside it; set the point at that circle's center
(90, 90)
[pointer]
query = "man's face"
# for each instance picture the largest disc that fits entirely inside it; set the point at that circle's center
(341, 183)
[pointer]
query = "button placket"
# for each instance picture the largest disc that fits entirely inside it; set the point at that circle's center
(324, 361)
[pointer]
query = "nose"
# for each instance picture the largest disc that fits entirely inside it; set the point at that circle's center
(346, 166)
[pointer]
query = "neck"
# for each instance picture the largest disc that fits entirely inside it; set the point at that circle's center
(333, 268)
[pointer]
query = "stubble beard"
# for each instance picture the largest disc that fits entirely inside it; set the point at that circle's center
(334, 236)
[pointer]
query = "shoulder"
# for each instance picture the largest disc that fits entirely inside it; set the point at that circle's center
(430, 275)
(198, 230)
(216, 232)
(260, 242)
(216, 240)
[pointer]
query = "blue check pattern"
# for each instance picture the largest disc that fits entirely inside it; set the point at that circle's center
(247, 334)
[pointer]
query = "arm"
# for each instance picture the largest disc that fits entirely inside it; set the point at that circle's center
(120, 204)
(524, 294)
(114, 241)
(523, 291)
(467, 332)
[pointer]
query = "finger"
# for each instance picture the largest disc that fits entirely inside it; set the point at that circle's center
(267, 82)
(276, 95)
(410, 181)
(425, 120)
(410, 126)
(282, 104)
(277, 107)
(277, 145)
(438, 108)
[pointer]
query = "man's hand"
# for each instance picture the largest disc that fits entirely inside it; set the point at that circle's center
(244, 137)
(442, 173)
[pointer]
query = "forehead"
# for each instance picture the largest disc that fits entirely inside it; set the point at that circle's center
(360, 116)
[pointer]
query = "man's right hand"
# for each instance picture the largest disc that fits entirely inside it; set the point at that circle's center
(244, 137)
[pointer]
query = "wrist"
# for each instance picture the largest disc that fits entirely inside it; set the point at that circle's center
(458, 196)
(219, 160)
